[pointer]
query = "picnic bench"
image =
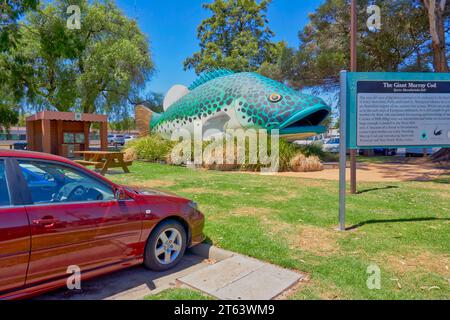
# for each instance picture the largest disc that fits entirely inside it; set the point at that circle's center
(104, 160)
(8, 146)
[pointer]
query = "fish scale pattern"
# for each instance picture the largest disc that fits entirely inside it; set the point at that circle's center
(248, 92)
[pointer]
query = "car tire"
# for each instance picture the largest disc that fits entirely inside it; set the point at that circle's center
(165, 246)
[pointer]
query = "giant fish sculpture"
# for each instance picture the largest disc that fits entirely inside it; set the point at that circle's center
(224, 100)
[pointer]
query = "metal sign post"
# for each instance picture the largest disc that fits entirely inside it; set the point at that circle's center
(342, 150)
(354, 68)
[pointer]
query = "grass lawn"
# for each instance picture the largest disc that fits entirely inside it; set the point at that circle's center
(179, 294)
(403, 227)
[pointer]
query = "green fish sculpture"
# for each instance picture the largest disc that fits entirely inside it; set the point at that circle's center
(223, 100)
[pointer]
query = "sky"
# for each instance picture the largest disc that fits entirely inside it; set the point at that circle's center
(171, 26)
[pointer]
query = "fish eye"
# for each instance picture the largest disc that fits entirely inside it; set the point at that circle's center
(275, 97)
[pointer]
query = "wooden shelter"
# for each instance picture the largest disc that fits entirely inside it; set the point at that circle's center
(63, 133)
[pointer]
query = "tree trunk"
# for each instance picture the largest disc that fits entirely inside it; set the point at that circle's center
(436, 9)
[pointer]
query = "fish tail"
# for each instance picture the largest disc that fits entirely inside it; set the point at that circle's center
(143, 117)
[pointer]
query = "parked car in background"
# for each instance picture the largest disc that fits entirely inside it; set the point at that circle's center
(418, 152)
(116, 139)
(20, 145)
(311, 140)
(55, 214)
(331, 145)
(385, 151)
(129, 138)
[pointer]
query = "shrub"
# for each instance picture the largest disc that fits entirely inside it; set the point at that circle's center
(313, 149)
(291, 156)
(130, 154)
(151, 148)
(301, 163)
(330, 157)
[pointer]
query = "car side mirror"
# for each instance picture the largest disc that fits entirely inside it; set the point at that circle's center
(120, 194)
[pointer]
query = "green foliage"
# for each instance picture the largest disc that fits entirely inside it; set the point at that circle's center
(151, 148)
(8, 117)
(93, 69)
(287, 152)
(402, 44)
(313, 149)
(12, 70)
(179, 294)
(282, 68)
(125, 124)
(235, 37)
(10, 13)
(154, 101)
(156, 149)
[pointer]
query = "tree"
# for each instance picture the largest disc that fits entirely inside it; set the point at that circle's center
(282, 67)
(10, 12)
(437, 11)
(9, 114)
(8, 117)
(154, 101)
(126, 124)
(92, 69)
(11, 90)
(401, 44)
(235, 37)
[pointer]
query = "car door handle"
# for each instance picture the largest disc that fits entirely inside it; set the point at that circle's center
(46, 223)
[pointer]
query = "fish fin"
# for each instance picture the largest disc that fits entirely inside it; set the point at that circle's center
(175, 93)
(143, 117)
(210, 75)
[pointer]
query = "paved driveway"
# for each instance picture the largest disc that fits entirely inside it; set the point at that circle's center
(129, 284)
(226, 275)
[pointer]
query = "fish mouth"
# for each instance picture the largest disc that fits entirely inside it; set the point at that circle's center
(306, 123)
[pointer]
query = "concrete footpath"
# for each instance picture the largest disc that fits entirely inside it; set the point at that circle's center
(216, 272)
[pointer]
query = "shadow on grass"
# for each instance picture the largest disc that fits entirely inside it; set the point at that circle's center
(361, 224)
(443, 180)
(377, 189)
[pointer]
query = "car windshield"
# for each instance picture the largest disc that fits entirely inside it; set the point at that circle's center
(52, 183)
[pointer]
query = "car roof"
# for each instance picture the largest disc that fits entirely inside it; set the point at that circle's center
(32, 155)
(49, 157)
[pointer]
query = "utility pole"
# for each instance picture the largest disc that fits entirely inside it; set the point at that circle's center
(354, 68)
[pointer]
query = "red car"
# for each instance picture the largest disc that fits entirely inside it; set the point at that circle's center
(55, 214)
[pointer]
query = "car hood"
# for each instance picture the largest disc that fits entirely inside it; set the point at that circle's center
(151, 192)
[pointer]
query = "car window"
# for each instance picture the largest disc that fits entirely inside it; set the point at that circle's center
(334, 141)
(4, 194)
(54, 183)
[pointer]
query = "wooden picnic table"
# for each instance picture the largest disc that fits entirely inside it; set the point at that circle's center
(9, 146)
(104, 160)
